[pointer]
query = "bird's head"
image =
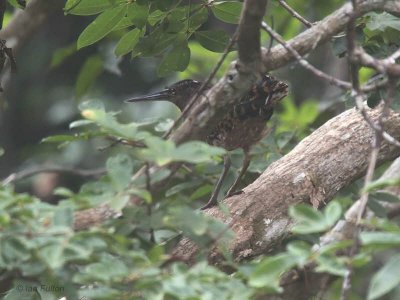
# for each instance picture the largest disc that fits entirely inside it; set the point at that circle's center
(274, 89)
(178, 93)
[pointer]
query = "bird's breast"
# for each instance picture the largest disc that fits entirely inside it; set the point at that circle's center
(234, 133)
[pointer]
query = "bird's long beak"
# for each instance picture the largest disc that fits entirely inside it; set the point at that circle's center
(162, 95)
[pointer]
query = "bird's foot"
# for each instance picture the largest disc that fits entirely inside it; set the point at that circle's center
(234, 193)
(212, 202)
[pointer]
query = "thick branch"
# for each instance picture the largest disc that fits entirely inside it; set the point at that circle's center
(249, 45)
(27, 21)
(323, 31)
(329, 159)
(209, 109)
(344, 230)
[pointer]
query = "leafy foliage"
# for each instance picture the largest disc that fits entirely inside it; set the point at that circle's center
(156, 27)
(130, 257)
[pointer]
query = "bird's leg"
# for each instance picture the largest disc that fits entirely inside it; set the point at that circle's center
(217, 188)
(245, 165)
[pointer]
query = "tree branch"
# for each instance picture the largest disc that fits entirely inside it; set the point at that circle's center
(51, 169)
(26, 22)
(329, 159)
(323, 31)
(343, 230)
(208, 110)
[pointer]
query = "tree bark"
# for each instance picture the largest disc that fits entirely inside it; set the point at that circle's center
(295, 282)
(329, 159)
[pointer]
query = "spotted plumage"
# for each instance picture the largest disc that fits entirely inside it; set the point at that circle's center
(243, 125)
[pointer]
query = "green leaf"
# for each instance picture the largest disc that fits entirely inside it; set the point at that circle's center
(79, 123)
(331, 264)
(268, 272)
(118, 202)
(163, 152)
(128, 42)
(334, 247)
(52, 254)
(310, 220)
(385, 197)
(1, 151)
(380, 21)
(58, 139)
(138, 14)
(119, 169)
(380, 238)
(197, 152)
(63, 216)
(62, 54)
(381, 184)
(386, 279)
(164, 125)
(198, 19)
(300, 250)
(109, 268)
(332, 213)
(376, 208)
(154, 43)
(175, 60)
(158, 150)
(90, 70)
(213, 40)
(202, 191)
(94, 111)
(89, 7)
(228, 12)
(156, 16)
(180, 187)
(187, 220)
(18, 3)
(124, 23)
(101, 26)
(142, 193)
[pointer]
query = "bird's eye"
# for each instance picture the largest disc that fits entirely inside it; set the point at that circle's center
(173, 91)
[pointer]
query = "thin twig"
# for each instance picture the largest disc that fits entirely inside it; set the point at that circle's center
(295, 14)
(345, 85)
(339, 83)
(375, 149)
(149, 210)
(351, 40)
(51, 169)
(384, 66)
(271, 38)
(116, 141)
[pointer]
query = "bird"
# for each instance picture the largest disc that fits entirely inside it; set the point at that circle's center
(243, 126)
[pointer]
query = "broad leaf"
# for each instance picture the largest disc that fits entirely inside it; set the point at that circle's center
(101, 26)
(175, 60)
(119, 169)
(228, 12)
(128, 42)
(386, 279)
(138, 14)
(310, 220)
(89, 7)
(268, 272)
(213, 40)
(90, 70)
